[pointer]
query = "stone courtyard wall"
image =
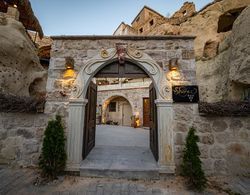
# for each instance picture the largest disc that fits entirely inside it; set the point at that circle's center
(224, 141)
(21, 138)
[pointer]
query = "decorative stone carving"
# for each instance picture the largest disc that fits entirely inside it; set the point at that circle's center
(104, 53)
(108, 55)
(134, 52)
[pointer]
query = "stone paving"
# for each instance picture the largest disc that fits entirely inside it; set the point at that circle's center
(111, 135)
(120, 152)
(21, 182)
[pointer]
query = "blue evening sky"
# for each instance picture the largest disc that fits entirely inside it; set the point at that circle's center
(97, 17)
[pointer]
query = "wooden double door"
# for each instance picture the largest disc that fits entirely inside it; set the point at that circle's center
(90, 121)
(153, 135)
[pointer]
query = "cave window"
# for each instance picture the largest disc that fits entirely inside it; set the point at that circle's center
(226, 20)
(185, 13)
(151, 22)
(141, 30)
(246, 94)
(112, 107)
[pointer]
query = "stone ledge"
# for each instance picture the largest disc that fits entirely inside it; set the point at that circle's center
(225, 108)
(123, 37)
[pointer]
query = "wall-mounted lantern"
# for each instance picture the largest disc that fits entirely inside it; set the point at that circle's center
(69, 63)
(69, 73)
(173, 64)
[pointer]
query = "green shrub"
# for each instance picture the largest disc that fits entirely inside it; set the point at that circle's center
(53, 157)
(191, 165)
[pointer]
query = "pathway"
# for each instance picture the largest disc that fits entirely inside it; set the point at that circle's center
(21, 182)
(120, 152)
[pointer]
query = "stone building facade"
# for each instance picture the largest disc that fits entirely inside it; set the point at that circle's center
(88, 52)
(224, 140)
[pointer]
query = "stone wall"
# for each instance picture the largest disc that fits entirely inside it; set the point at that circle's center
(224, 141)
(21, 138)
(85, 48)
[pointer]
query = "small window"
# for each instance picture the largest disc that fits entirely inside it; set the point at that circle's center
(151, 22)
(185, 13)
(246, 94)
(141, 30)
(112, 107)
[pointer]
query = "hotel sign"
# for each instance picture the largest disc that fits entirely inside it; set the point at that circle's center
(188, 94)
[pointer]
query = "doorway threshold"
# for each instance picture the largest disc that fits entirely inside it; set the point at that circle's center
(130, 162)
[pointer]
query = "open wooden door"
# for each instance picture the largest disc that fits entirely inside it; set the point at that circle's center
(90, 120)
(146, 112)
(153, 122)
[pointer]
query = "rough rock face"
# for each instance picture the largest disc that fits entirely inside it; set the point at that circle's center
(222, 58)
(240, 51)
(220, 76)
(186, 11)
(204, 25)
(19, 63)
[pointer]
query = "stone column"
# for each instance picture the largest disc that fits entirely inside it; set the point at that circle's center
(75, 133)
(165, 136)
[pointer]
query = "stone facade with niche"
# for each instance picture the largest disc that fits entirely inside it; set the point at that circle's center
(90, 53)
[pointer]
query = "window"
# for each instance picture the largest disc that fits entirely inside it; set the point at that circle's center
(137, 19)
(151, 22)
(184, 13)
(141, 30)
(112, 107)
(246, 94)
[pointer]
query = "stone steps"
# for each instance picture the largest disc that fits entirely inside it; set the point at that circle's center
(120, 162)
(120, 174)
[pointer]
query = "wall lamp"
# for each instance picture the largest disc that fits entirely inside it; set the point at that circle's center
(173, 64)
(69, 66)
(69, 63)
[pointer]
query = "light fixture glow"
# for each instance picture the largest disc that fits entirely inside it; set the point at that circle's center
(173, 64)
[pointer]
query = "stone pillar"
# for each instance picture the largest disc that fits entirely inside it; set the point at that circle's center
(75, 133)
(165, 136)
(13, 12)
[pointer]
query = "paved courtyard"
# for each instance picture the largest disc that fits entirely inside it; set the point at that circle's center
(112, 135)
(121, 152)
(21, 182)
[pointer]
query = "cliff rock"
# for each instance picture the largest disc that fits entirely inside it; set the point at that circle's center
(20, 69)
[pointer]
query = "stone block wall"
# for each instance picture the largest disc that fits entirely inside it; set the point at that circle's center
(21, 138)
(224, 141)
(84, 48)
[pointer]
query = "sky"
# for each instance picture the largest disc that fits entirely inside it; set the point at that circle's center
(97, 17)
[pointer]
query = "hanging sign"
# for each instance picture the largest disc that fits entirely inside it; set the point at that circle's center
(188, 94)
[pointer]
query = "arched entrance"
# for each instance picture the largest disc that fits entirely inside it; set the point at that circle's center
(162, 100)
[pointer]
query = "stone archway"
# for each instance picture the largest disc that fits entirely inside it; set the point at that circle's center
(163, 102)
(121, 95)
(120, 118)
(110, 98)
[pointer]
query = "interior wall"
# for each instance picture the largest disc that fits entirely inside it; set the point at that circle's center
(122, 114)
